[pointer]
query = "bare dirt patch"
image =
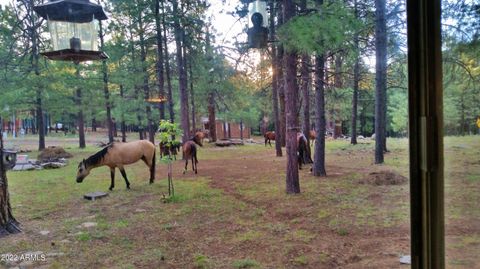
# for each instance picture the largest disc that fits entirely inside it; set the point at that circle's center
(384, 178)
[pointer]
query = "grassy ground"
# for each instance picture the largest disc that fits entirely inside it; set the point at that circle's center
(235, 214)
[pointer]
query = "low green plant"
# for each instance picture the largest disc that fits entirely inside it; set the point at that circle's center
(245, 263)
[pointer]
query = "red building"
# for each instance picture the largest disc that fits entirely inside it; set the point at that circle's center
(228, 130)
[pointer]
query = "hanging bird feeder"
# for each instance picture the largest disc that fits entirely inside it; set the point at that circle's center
(73, 26)
(257, 31)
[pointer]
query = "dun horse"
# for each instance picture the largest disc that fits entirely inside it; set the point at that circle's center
(190, 152)
(268, 137)
(119, 154)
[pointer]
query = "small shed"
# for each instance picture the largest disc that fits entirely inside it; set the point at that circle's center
(228, 130)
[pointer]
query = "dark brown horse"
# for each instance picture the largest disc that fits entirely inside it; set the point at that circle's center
(119, 154)
(190, 152)
(269, 136)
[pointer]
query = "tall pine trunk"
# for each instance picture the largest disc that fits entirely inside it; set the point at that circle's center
(275, 68)
(356, 80)
(281, 81)
(171, 111)
(305, 72)
(212, 127)
(192, 95)
(211, 117)
(122, 124)
(291, 104)
(80, 119)
(38, 91)
(320, 122)
(146, 88)
(380, 79)
(159, 64)
(182, 87)
(8, 224)
(106, 93)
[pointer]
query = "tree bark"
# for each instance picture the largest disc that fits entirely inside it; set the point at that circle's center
(8, 224)
(146, 88)
(171, 111)
(211, 117)
(291, 104)
(159, 65)
(306, 99)
(356, 80)
(192, 96)
(320, 123)
(38, 91)
(281, 87)
(80, 119)
(380, 79)
(106, 93)
(94, 124)
(275, 68)
(182, 87)
(123, 127)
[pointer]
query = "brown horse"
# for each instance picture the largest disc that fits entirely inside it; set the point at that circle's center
(201, 135)
(269, 136)
(119, 154)
(190, 152)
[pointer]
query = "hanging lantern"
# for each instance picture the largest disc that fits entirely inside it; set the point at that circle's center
(73, 26)
(257, 31)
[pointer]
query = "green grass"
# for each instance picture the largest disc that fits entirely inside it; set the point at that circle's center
(245, 263)
(244, 221)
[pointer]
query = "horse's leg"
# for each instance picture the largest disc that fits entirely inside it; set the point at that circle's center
(186, 163)
(266, 139)
(124, 175)
(112, 177)
(152, 169)
(196, 162)
(194, 165)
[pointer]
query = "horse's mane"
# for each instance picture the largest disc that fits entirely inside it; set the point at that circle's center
(97, 157)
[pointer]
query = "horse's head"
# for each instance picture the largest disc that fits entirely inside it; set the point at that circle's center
(82, 172)
(198, 140)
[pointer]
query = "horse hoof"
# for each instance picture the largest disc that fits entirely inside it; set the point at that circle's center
(195, 172)
(151, 181)
(184, 172)
(111, 188)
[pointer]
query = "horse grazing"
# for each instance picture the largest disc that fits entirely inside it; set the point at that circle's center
(118, 154)
(166, 150)
(269, 136)
(190, 152)
(302, 150)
